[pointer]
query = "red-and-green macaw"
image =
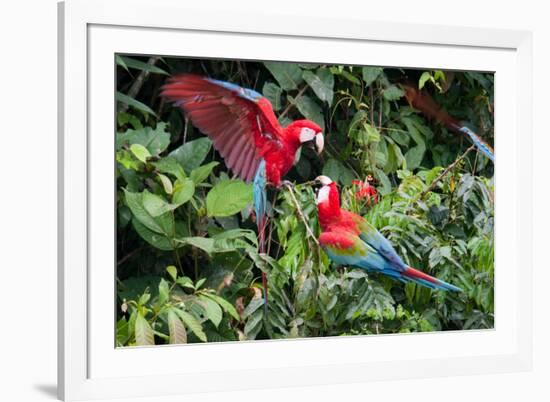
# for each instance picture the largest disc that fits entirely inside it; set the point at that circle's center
(245, 131)
(421, 100)
(348, 239)
(366, 190)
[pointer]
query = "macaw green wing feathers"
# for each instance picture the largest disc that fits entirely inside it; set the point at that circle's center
(344, 248)
(376, 240)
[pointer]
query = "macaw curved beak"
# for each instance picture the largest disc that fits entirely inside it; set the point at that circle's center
(319, 143)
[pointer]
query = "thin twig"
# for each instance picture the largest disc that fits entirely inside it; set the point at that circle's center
(475, 164)
(380, 113)
(185, 127)
(269, 238)
(300, 213)
(138, 83)
(371, 96)
(129, 255)
(287, 109)
(446, 171)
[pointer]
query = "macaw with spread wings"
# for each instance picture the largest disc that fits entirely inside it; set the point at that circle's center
(245, 131)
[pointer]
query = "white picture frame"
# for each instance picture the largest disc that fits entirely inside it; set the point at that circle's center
(90, 32)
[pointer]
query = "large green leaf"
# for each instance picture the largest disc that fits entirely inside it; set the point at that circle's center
(229, 240)
(132, 288)
(309, 109)
(414, 156)
(192, 323)
(176, 329)
(143, 331)
(201, 173)
(213, 310)
(140, 152)
(288, 75)
(120, 62)
(273, 93)
(228, 197)
(171, 166)
(224, 304)
(253, 324)
(322, 83)
(393, 92)
(183, 191)
(370, 74)
(155, 239)
(155, 140)
(124, 118)
(122, 332)
(128, 62)
(254, 305)
(192, 153)
(127, 160)
(162, 224)
(166, 183)
(204, 243)
(135, 203)
(155, 205)
(426, 76)
(120, 97)
(385, 187)
(164, 292)
(336, 170)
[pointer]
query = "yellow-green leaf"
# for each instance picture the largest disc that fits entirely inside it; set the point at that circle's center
(183, 191)
(176, 329)
(166, 183)
(192, 323)
(172, 271)
(140, 152)
(143, 331)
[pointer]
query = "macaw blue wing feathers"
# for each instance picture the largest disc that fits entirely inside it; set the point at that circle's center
(245, 93)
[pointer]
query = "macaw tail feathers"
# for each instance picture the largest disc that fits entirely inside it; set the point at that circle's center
(423, 279)
(260, 203)
(423, 101)
(479, 143)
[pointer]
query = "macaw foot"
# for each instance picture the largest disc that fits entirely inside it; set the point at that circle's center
(287, 183)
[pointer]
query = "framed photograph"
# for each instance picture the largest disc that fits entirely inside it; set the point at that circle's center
(294, 204)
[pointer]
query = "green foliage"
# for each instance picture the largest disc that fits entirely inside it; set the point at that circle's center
(188, 267)
(228, 197)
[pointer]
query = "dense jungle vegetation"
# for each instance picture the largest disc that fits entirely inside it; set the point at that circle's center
(188, 268)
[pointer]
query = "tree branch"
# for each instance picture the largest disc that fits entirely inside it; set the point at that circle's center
(446, 171)
(300, 212)
(138, 83)
(289, 106)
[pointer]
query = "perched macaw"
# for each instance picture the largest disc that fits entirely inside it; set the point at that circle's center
(245, 131)
(421, 100)
(366, 190)
(348, 239)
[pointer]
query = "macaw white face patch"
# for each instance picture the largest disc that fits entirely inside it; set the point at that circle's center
(324, 180)
(323, 194)
(306, 134)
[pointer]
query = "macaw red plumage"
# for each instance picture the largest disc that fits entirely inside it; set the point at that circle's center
(366, 190)
(348, 239)
(245, 131)
(422, 101)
